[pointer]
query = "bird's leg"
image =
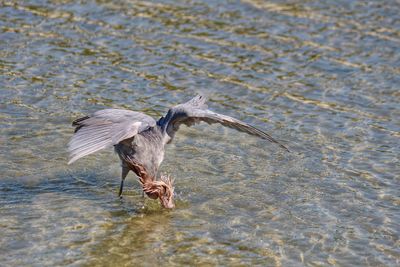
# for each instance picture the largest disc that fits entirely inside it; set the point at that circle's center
(125, 172)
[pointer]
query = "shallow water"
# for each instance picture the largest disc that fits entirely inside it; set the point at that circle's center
(321, 78)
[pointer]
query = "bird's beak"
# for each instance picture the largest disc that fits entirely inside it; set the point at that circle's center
(170, 206)
(167, 204)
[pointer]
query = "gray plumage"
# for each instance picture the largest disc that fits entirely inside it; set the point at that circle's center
(139, 140)
(106, 128)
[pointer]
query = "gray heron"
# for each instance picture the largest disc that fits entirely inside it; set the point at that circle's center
(140, 141)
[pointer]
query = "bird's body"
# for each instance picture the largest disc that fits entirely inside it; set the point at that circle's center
(146, 148)
(140, 141)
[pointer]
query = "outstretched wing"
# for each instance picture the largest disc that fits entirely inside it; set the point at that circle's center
(105, 128)
(196, 111)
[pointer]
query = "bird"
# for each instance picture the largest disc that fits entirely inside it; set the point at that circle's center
(140, 141)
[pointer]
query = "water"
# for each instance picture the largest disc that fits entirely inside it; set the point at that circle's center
(322, 78)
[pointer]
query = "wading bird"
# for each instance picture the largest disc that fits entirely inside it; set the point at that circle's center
(140, 141)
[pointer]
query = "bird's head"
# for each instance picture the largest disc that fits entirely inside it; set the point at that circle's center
(167, 192)
(162, 189)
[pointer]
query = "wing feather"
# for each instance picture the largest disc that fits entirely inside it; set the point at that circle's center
(195, 110)
(105, 128)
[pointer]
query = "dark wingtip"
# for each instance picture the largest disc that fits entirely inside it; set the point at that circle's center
(77, 123)
(266, 136)
(284, 147)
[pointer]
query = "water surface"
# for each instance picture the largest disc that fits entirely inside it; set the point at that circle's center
(322, 78)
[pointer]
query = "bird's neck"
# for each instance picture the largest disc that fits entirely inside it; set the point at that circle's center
(151, 187)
